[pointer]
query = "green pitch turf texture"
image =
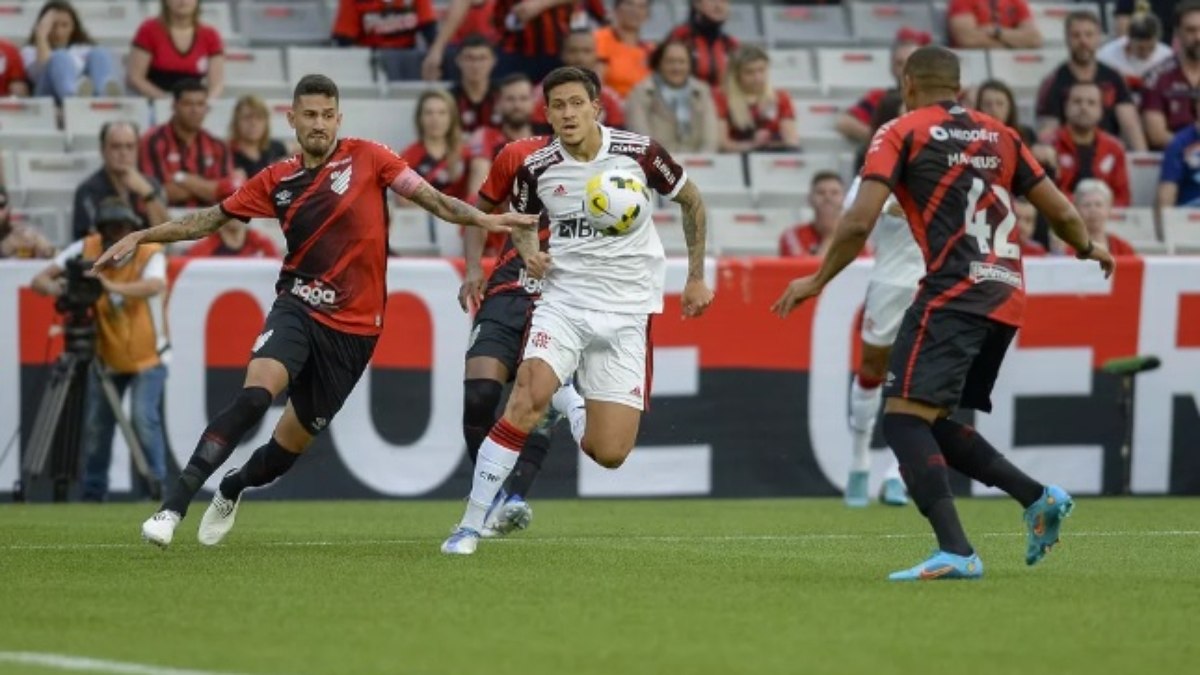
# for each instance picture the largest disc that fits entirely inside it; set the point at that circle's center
(603, 587)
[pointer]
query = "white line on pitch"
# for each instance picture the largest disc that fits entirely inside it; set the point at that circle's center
(83, 663)
(616, 538)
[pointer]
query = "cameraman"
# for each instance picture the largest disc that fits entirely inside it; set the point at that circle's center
(130, 343)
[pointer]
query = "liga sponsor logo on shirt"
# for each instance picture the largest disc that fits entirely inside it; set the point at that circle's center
(313, 293)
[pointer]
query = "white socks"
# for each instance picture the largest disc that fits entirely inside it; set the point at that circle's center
(864, 409)
(497, 457)
(568, 402)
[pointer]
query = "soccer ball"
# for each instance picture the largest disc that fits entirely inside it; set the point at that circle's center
(616, 202)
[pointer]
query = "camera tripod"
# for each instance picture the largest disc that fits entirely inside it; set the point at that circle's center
(58, 425)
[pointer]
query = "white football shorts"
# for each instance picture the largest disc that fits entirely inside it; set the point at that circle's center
(884, 308)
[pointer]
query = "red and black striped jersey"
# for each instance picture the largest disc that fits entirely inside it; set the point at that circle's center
(382, 24)
(163, 155)
(710, 56)
(956, 172)
(508, 274)
(544, 34)
(476, 114)
(445, 176)
(335, 219)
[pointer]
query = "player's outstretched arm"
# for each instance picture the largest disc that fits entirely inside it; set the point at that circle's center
(1066, 222)
(849, 238)
(470, 294)
(696, 294)
(461, 213)
(195, 225)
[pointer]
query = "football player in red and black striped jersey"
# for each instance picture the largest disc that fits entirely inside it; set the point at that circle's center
(331, 202)
(955, 172)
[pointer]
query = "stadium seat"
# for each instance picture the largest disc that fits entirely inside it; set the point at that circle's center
(256, 71)
(878, 22)
(17, 19)
(1136, 225)
(973, 65)
(781, 180)
(220, 112)
(792, 69)
(788, 26)
(1049, 18)
(83, 118)
(51, 222)
(749, 232)
(851, 72)
(219, 15)
(668, 221)
(661, 20)
(110, 22)
(33, 140)
(410, 233)
(49, 179)
(284, 23)
(27, 114)
(743, 23)
(1181, 227)
(817, 118)
(1144, 170)
(387, 121)
(719, 177)
(937, 15)
(1024, 69)
(411, 90)
(351, 67)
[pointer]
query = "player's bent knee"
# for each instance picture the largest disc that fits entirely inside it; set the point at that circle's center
(480, 398)
(607, 454)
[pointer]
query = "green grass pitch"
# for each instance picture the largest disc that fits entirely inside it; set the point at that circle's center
(605, 588)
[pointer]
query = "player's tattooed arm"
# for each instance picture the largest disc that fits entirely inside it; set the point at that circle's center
(695, 227)
(461, 213)
(195, 225)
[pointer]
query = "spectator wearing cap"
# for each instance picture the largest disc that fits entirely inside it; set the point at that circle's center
(173, 47)
(1167, 105)
(705, 34)
(131, 342)
(391, 28)
(1179, 183)
(992, 24)
(19, 240)
(1137, 52)
(12, 71)
(1119, 117)
(119, 177)
(855, 123)
(1085, 150)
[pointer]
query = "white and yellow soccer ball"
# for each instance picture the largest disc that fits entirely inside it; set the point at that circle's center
(616, 202)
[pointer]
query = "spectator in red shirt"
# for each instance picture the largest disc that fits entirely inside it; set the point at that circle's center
(1094, 200)
(235, 239)
(1171, 87)
(194, 167)
(992, 24)
(705, 33)
(12, 71)
(440, 154)
(1027, 217)
(61, 60)
(751, 114)
(825, 196)
(390, 27)
(855, 123)
(579, 50)
(173, 47)
(1087, 151)
(474, 93)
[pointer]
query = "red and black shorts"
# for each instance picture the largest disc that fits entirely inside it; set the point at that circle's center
(323, 364)
(947, 358)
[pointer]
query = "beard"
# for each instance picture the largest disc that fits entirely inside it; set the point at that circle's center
(1192, 51)
(315, 146)
(514, 120)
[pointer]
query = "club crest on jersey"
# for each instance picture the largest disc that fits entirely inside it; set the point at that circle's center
(340, 180)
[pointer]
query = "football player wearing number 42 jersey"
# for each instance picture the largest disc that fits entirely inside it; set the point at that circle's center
(597, 296)
(318, 339)
(955, 173)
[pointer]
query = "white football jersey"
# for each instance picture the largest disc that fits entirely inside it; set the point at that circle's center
(898, 259)
(624, 273)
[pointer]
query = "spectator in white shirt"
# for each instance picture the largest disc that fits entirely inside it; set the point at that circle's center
(1135, 54)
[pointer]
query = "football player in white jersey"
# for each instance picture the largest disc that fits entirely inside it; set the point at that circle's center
(899, 267)
(598, 293)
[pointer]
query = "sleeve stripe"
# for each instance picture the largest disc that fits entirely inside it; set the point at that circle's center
(683, 180)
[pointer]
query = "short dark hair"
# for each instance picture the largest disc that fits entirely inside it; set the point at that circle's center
(887, 109)
(1145, 27)
(476, 40)
(1002, 87)
(107, 126)
(1183, 9)
(567, 75)
(1081, 15)
(822, 176)
(315, 85)
(1086, 83)
(187, 86)
(934, 68)
(513, 78)
(660, 52)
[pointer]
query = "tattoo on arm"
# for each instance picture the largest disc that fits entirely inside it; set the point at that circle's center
(195, 225)
(446, 207)
(695, 227)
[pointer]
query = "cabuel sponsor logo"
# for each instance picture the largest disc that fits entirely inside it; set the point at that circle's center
(664, 170)
(340, 180)
(981, 271)
(975, 161)
(313, 292)
(964, 135)
(627, 149)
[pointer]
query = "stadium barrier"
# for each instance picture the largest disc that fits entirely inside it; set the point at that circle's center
(745, 404)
